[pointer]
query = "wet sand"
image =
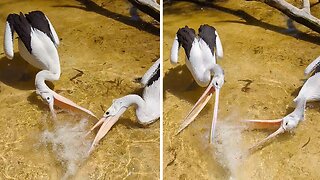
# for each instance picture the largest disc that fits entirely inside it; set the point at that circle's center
(100, 39)
(263, 72)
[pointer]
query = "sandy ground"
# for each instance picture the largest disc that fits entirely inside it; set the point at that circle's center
(263, 71)
(100, 39)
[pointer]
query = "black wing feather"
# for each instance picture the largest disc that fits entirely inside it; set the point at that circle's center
(155, 76)
(208, 34)
(186, 37)
(22, 28)
(38, 20)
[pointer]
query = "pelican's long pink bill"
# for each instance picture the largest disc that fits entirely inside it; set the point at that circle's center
(196, 109)
(259, 144)
(107, 123)
(65, 103)
(263, 124)
(53, 112)
(104, 129)
(215, 116)
(96, 125)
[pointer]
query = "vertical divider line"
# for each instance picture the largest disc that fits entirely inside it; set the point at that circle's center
(161, 90)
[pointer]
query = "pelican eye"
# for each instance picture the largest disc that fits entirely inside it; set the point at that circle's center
(107, 113)
(48, 98)
(216, 83)
(286, 123)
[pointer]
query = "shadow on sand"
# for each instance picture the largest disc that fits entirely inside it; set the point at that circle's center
(180, 83)
(91, 6)
(17, 73)
(252, 21)
(34, 98)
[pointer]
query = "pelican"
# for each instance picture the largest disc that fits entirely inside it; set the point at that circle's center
(38, 42)
(309, 92)
(201, 54)
(147, 106)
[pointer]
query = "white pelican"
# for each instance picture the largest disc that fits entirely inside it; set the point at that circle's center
(38, 42)
(309, 92)
(147, 107)
(201, 54)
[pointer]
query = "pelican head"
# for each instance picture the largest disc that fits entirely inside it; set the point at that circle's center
(218, 81)
(116, 109)
(290, 122)
(218, 78)
(48, 97)
(54, 99)
(109, 118)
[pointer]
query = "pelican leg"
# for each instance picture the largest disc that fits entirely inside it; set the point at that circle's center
(134, 13)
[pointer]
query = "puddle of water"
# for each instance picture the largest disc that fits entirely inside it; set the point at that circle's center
(227, 147)
(69, 144)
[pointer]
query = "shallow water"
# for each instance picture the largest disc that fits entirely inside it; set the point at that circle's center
(263, 71)
(99, 39)
(68, 142)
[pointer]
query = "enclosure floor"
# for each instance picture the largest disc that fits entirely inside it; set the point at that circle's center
(101, 40)
(263, 72)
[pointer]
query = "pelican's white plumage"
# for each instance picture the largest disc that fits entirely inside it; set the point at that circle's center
(200, 62)
(44, 54)
(150, 72)
(147, 106)
(310, 91)
(38, 42)
(175, 51)
(201, 51)
(312, 66)
(54, 34)
(8, 41)
(219, 49)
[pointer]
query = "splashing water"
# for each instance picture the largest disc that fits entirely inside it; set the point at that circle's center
(229, 151)
(69, 144)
